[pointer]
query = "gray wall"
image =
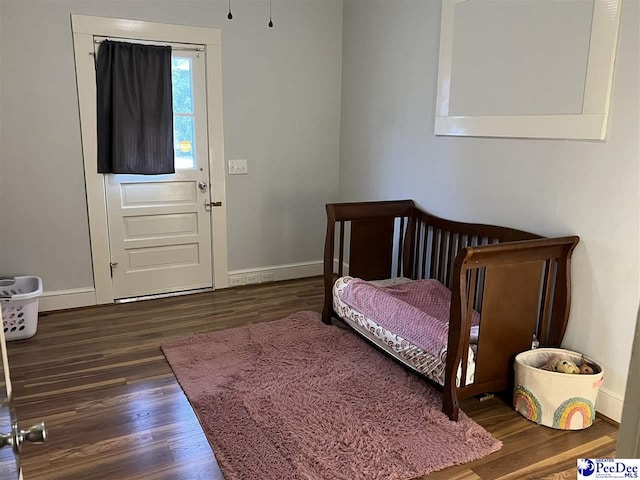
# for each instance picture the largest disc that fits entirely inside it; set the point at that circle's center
(388, 150)
(281, 91)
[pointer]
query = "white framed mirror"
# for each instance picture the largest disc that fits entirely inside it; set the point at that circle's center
(526, 68)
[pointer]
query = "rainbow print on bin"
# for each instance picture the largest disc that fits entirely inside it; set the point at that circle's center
(527, 404)
(569, 408)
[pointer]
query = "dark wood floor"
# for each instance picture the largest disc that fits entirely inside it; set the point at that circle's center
(115, 411)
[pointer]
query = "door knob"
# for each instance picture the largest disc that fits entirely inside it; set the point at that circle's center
(202, 186)
(6, 440)
(34, 434)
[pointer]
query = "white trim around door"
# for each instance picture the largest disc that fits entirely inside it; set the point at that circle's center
(84, 29)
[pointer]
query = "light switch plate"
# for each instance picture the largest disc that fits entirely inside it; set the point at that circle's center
(238, 167)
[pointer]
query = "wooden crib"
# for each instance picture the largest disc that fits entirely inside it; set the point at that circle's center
(518, 281)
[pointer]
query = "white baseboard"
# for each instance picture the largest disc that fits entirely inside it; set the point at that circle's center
(71, 298)
(610, 404)
(276, 273)
(84, 297)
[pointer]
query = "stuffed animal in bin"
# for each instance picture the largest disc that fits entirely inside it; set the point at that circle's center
(563, 365)
(585, 368)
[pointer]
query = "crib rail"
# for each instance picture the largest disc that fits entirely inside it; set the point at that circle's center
(432, 244)
(378, 240)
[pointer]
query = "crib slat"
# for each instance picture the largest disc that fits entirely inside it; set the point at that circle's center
(425, 230)
(451, 256)
(427, 233)
(341, 250)
(458, 246)
(411, 247)
(456, 250)
(416, 249)
(444, 252)
(442, 257)
(412, 242)
(469, 317)
(421, 259)
(560, 289)
(480, 288)
(433, 272)
(400, 247)
(435, 254)
(543, 327)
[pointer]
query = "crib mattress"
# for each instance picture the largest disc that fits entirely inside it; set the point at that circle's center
(430, 365)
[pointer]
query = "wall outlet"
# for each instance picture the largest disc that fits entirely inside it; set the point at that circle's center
(236, 280)
(238, 167)
(252, 278)
(267, 277)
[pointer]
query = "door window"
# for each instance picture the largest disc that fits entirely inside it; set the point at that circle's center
(183, 113)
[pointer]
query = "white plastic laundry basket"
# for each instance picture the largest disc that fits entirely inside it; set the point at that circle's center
(558, 400)
(19, 297)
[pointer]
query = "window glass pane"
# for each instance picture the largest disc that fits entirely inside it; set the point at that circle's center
(183, 118)
(183, 141)
(182, 85)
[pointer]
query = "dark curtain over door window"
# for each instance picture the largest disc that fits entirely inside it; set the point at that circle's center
(135, 113)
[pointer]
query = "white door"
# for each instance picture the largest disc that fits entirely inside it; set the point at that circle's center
(11, 436)
(160, 225)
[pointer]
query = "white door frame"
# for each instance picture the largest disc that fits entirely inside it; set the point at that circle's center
(84, 29)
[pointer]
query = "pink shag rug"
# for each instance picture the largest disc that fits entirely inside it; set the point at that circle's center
(297, 399)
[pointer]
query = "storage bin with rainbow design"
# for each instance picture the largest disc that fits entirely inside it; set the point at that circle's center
(557, 400)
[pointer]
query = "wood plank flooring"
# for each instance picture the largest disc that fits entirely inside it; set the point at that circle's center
(115, 411)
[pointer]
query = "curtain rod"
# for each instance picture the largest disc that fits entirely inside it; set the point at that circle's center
(191, 49)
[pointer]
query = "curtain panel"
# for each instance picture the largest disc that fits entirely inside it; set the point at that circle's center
(135, 112)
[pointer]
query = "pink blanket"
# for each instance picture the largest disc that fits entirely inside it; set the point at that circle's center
(417, 311)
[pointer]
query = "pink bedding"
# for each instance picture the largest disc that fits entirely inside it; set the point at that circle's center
(418, 311)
